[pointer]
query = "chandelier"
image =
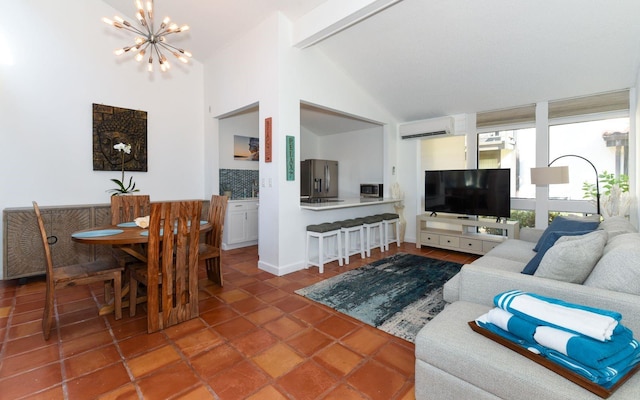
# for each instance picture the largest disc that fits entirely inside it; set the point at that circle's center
(151, 42)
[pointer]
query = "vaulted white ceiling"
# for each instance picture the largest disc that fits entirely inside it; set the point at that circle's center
(428, 58)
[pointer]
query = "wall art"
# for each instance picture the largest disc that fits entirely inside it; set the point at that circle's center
(267, 139)
(113, 125)
(291, 158)
(246, 148)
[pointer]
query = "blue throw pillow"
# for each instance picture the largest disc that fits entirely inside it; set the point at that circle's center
(549, 241)
(567, 224)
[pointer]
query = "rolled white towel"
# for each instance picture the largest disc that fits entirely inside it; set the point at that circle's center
(592, 322)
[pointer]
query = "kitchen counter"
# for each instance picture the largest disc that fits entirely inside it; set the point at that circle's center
(346, 203)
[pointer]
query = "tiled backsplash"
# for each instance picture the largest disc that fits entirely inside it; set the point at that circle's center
(243, 183)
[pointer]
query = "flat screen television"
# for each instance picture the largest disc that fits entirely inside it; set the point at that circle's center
(471, 192)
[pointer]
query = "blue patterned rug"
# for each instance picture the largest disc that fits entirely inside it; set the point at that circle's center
(398, 294)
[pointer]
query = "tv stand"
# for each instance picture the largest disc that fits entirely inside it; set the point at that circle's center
(459, 234)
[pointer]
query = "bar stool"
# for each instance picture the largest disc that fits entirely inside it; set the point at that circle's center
(372, 224)
(391, 220)
(322, 232)
(352, 227)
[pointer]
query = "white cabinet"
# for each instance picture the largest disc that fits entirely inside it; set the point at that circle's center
(241, 224)
(476, 236)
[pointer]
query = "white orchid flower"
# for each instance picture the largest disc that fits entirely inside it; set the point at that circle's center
(126, 148)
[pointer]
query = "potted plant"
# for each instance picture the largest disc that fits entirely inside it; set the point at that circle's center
(121, 189)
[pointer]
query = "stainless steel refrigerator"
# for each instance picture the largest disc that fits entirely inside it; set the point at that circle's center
(318, 179)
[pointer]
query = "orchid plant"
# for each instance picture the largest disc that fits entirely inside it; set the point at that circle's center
(121, 189)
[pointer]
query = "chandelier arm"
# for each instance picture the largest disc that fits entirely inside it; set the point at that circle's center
(126, 25)
(129, 28)
(163, 30)
(171, 48)
(166, 32)
(158, 52)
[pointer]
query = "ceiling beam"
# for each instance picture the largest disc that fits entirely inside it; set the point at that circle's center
(332, 17)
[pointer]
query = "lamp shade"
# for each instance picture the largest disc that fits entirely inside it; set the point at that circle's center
(549, 175)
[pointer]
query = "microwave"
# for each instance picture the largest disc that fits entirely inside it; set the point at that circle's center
(371, 190)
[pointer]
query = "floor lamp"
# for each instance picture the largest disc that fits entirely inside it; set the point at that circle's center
(552, 175)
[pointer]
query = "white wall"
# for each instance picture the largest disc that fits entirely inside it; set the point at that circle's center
(359, 155)
(247, 72)
(64, 62)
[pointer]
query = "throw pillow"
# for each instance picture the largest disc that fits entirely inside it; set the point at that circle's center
(572, 258)
(617, 226)
(548, 241)
(618, 269)
(569, 224)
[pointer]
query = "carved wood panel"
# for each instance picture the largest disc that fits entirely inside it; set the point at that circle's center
(22, 247)
(23, 252)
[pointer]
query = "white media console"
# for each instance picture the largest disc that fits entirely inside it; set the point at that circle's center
(468, 235)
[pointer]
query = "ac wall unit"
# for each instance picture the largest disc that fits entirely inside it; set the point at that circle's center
(433, 127)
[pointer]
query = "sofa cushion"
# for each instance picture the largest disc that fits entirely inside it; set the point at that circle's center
(513, 249)
(499, 263)
(572, 258)
(569, 224)
(617, 226)
(451, 289)
(547, 242)
(618, 269)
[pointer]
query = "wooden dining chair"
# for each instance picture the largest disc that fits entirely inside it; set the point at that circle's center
(126, 209)
(171, 272)
(210, 249)
(73, 275)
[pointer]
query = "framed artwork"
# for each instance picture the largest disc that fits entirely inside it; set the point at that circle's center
(113, 125)
(267, 140)
(246, 148)
(291, 158)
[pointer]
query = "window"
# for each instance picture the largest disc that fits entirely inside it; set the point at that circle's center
(514, 149)
(604, 142)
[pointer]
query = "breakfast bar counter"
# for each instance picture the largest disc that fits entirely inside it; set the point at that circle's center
(334, 204)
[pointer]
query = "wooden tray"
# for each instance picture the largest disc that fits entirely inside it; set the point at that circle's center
(568, 374)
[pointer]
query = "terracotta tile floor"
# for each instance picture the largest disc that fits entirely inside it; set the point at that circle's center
(255, 339)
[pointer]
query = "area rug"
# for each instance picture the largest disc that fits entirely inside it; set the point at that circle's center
(398, 294)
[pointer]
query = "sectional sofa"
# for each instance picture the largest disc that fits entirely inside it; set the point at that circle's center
(599, 269)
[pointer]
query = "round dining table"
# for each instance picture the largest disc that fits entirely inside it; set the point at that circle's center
(127, 237)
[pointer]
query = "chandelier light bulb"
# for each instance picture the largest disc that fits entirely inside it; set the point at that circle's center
(146, 36)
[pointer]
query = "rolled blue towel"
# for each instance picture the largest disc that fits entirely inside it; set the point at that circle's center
(590, 352)
(517, 326)
(593, 322)
(605, 377)
(532, 346)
